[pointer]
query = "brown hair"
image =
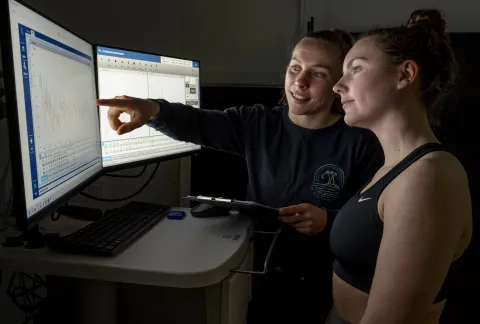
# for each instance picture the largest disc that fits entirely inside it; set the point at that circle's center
(423, 40)
(343, 40)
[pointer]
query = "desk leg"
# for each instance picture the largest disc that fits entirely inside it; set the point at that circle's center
(97, 302)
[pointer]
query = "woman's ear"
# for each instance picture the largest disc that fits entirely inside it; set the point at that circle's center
(408, 73)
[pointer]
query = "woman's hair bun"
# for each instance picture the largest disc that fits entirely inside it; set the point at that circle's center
(429, 19)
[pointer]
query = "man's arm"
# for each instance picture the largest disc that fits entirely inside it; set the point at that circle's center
(222, 130)
(425, 214)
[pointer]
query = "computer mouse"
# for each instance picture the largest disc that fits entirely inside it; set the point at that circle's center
(206, 210)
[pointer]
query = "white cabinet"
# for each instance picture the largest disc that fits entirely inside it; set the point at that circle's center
(222, 303)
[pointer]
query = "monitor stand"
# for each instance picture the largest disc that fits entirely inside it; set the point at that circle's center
(34, 238)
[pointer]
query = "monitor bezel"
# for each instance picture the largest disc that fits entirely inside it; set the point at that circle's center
(23, 222)
(128, 165)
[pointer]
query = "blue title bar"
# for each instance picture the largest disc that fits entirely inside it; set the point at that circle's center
(120, 53)
(127, 54)
(26, 30)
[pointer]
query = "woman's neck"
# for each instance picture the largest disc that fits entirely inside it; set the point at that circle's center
(403, 131)
(319, 120)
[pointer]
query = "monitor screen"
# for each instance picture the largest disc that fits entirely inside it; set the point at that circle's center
(58, 126)
(142, 75)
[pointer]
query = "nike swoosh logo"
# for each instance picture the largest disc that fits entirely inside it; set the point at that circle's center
(363, 199)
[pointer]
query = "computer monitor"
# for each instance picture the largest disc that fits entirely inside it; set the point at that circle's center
(52, 118)
(143, 75)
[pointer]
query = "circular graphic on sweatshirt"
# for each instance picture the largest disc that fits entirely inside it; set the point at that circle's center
(327, 182)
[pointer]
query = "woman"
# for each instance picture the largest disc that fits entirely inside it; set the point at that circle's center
(301, 155)
(397, 241)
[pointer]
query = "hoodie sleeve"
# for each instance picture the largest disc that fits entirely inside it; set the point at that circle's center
(222, 130)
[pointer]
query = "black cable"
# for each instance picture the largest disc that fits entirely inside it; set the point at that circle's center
(3, 181)
(39, 279)
(124, 198)
(4, 177)
(8, 212)
(54, 217)
(22, 290)
(5, 170)
(28, 319)
(126, 175)
(3, 110)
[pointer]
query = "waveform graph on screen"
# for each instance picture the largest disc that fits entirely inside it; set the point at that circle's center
(168, 87)
(60, 114)
(62, 89)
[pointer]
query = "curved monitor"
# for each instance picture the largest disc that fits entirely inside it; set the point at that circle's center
(143, 75)
(53, 121)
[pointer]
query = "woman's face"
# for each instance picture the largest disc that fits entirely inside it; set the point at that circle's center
(314, 68)
(369, 84)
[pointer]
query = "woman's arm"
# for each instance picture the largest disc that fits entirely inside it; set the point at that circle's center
(222, 130)
(425, 214)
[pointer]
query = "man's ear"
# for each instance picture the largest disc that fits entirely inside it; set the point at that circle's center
(408, 73)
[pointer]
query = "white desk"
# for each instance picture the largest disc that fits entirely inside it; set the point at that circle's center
(195, 254)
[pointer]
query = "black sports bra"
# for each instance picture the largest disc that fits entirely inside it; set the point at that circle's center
(357, 230)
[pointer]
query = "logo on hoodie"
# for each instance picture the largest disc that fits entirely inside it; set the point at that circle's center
(327, 182)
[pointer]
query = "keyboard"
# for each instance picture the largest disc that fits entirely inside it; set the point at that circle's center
(113, 232)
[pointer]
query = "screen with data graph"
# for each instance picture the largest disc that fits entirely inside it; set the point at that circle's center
(57, 117)
(142, 75)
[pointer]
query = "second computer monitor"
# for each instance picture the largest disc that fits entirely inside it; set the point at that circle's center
(142, 75)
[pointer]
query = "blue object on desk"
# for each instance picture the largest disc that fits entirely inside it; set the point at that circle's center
(176, 215)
